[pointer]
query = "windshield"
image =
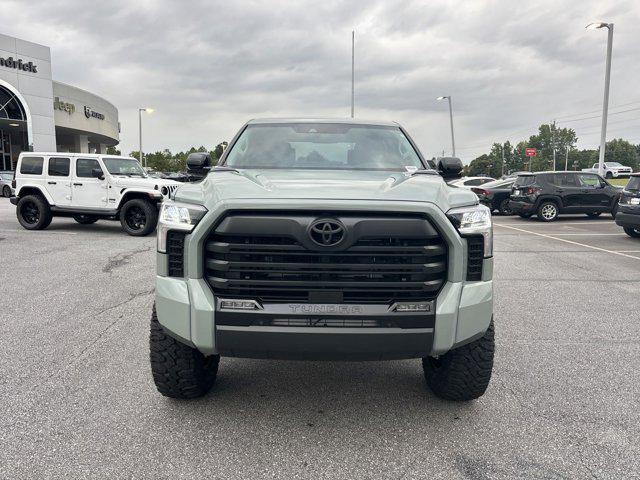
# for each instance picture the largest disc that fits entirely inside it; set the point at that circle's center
(123, 166)
(634, 183)
(326, 146)
(613, 164)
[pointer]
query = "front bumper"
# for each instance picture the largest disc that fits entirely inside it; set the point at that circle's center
(188, 310)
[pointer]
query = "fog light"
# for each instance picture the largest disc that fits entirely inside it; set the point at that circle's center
(412, 307)
(238, 305)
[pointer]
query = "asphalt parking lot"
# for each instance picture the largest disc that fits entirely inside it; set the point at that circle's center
(77, 399)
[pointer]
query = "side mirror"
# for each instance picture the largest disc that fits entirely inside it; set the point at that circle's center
(199, 163)
(97, 173)
(449, 167)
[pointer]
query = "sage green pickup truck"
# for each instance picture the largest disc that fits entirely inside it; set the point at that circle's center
(323, 240)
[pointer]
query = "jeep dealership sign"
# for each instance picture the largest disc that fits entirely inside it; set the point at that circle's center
(9, 62)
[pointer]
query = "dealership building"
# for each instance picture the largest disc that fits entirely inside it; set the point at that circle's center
(40, 114)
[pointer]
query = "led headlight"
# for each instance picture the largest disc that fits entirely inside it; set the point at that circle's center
(474, 220)
(177, 216)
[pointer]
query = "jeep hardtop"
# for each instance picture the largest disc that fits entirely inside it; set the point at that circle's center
(87, 187)
(323, 240)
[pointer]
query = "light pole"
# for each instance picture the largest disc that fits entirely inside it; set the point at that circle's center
(353, 71)
(453, 142)
(607, 78)
(140, 110)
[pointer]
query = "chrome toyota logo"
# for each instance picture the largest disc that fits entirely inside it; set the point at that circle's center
(327, 232)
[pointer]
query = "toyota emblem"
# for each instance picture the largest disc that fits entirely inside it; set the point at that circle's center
(327, 232)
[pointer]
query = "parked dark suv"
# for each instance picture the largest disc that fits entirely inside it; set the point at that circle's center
(628, 216)
(548, 194)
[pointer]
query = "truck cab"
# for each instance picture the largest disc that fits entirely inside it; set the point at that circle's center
(87, 187)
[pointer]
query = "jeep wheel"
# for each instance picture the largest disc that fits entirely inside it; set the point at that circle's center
(594, 214)
(33, 212)
(179, 371)
(85, 219)
(548, 211)
(138, 217)
(504, 207)
(6, 191)
(462, 374)
(632, 232)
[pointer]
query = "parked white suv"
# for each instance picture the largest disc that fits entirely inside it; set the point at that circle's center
(87, 187)
(611, 170)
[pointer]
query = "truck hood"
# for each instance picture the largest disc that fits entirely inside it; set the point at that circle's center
(283, 184)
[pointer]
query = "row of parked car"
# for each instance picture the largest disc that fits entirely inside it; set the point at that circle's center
(547, 195)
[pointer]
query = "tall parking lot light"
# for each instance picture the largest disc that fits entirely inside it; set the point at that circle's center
(453, 142)
(140, 110)
(607, 77)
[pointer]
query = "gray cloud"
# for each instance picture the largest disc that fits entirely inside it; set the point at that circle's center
(208, 66)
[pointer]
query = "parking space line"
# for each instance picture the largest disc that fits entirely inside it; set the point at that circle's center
(564, 224)
(569, 241)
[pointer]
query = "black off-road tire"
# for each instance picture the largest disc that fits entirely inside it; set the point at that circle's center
(462, 374)
(179, 371)
(6, 191)
(85, 219)
(33, 212)
(148, 213)
(632, 232)
(548, 211)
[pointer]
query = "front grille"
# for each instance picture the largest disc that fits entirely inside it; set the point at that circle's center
(175, 253)
(475, 257)
(408, 262)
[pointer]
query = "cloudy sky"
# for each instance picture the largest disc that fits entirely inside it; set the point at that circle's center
(207, 66)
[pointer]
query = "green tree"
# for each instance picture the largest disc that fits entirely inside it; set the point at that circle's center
(550, 137)
(621, 151)
(113, 151)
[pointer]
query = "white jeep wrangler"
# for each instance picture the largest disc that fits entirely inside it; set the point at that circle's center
(87, 187)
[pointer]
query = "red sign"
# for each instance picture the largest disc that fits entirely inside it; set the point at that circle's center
(530, 152)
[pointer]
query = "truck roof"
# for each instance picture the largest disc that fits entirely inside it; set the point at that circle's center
(352, 121)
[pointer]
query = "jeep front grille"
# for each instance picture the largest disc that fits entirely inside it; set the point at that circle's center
(270, 257)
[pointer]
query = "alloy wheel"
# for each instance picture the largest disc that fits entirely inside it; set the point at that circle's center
(549, 211)
(30, 213)
(136, 218)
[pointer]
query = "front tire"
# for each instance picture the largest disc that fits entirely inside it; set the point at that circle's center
(462, 374)
(548, 211)
(33, 212)
(6, 191)
(179, 371)
(632, 232)
(85, 219)
(138, 217)
(608, 175)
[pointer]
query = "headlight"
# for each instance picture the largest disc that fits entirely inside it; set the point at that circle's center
(475, 220)
(177, 216)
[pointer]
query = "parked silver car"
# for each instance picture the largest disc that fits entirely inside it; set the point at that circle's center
(6, 190)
